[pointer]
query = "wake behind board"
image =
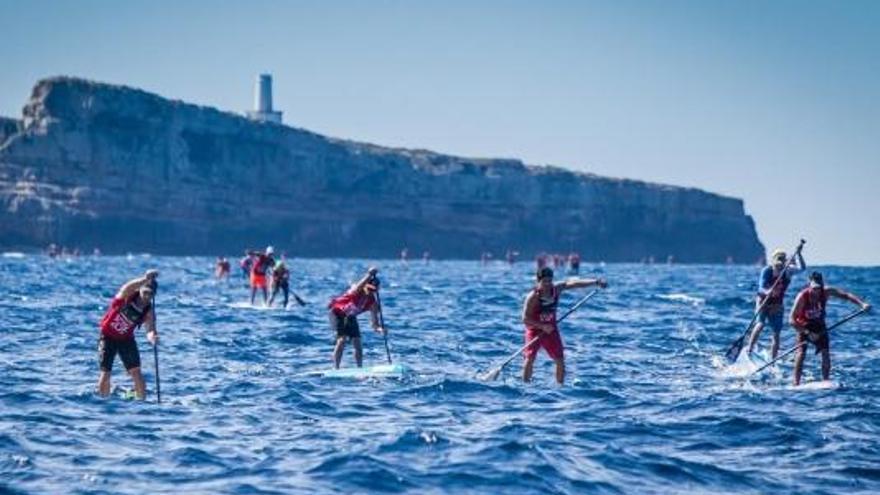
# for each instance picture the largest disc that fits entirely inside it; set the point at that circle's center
(758, 358)
(378, 371)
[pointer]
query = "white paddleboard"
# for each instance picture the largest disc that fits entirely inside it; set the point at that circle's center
(378, 371)
(817, 385)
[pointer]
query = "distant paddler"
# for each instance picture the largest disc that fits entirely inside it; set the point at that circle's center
(245, 263)
(539, 317)
(344, 310)
(808, 318)
(131, 307)
(280, 281)
(772, 284)
(262, 263)
(222, 268)
(574, 263)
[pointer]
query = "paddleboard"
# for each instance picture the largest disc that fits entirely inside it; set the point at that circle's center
(378, 371)
(817, 385)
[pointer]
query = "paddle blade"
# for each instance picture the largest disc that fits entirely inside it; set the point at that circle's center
(491, 375)
(734, 350)
(299, 300)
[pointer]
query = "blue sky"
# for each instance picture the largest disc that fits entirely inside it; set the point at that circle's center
(775, 102)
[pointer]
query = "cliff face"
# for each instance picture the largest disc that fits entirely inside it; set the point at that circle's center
(8, 128)
(97, 165)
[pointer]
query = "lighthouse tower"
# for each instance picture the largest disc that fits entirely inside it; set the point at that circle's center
(262, 111)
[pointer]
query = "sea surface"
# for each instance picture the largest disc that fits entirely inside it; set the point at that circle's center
(649, 406)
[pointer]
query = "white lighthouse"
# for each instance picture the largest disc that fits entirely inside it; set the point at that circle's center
(262, 111)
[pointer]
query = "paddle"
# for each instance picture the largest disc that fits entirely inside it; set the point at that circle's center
(492, 374)
(795, 348)
(382, 324)
(735, 348)
(156, 350)
(297, 299)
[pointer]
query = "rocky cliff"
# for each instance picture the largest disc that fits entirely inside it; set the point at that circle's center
(95, 165)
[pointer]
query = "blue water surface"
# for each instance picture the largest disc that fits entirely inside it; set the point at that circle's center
(648, 407)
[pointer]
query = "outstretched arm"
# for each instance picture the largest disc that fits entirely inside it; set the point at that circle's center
(846, 296)
(581, 282)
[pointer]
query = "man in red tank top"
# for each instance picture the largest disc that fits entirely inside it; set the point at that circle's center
(344, 309)
(539, 317)
(808, 318)
(262, 264)
(131, 307)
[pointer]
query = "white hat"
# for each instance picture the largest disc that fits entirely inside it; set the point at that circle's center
(270, 250)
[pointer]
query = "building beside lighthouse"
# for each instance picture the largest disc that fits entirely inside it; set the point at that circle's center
(262, 111)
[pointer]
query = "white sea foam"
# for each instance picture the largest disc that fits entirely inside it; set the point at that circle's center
(680, 297)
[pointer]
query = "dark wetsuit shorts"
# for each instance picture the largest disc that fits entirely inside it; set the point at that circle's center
(771, 316)
(127, 350)
(345, 326)
(817, 335)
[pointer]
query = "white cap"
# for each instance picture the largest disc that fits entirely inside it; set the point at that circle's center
(270, 250)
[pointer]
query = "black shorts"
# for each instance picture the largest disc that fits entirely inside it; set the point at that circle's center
(816, 335)
(127, 350)
(345, 326)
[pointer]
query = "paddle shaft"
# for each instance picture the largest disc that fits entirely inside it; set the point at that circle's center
(737, 344)
(156, 356)
(798, 346)
(382, 324)
(529, 343)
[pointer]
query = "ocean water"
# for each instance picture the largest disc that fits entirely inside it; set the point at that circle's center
(648, 406)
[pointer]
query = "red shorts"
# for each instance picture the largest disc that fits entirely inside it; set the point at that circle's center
(551, 342)
(258, 281)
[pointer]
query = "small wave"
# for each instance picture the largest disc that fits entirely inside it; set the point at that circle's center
(13, 254)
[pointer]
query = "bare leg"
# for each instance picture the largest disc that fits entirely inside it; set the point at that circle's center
(337, 351)
(272, 297)
(560, 370)
(753, 339)
(253, 294)
(774, 344)
(358, 351)
(826, 364)
(799, 364)
(140, 389)
(528, 367)
(104, 384)
(265, 296)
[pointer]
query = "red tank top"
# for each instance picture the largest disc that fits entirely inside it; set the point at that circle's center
(122, 318)
(813, 308)
(546, 310)
(352, 304)
(261, 264)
